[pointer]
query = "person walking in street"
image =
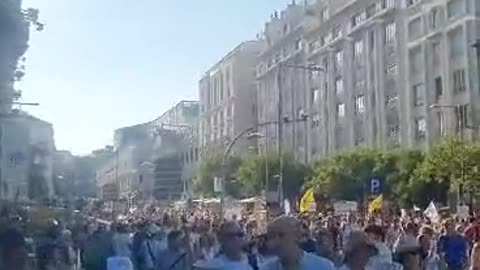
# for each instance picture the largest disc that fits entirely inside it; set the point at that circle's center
(453, 247)
(285, 232)
(175, 257)
(232, 255)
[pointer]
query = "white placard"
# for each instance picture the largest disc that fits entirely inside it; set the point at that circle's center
(218, 184)
(345, 207)
(463, 211)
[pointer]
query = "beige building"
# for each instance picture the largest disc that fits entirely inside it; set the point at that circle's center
(276, 70)
(27, 149)
(395, 72)
(135, 169)
(227, 97)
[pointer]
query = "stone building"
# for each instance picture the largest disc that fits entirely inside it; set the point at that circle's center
(392, 72)
(227, 97)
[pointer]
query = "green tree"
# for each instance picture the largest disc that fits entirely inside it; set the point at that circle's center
(210, 166)
(401, 164)
(252, 174)
(453, 164)
(346, 176)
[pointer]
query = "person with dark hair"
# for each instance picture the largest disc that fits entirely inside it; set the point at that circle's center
(358, 251)
(472, 232)
(122, 241)
(284, 232)
(175, 257)
(232, 255)
(306, 242)
(13, 250)
(453, 247)
(46, 246)
(376, 235)
(326, 246)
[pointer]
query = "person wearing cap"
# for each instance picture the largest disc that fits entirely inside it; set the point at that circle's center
(285, 233)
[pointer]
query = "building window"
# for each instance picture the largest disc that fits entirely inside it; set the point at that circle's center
(391, 99)
(339, 60)
(336, 31)
(340, 110)
(415, 61)
(387, 3)
(298, 44)
(434, 18)
(324, 15)
(461, 117)
(358, 50)
(459, 80)
(393, 131)
(418, 94)
(358, 19)
(391, 70)
(415, 28)
(371, 10)
(457, 43)
(338, 85)
(390, 32)
(441, 123)
(316, 95)
(438, 88)
(436, 48)
(315, 120)
(455, 8)
(412, 2)
(360, 104)
(420, 127)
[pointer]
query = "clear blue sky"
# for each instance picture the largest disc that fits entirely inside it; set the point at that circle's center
(104, 64)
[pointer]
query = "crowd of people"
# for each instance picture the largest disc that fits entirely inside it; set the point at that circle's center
(180, 241)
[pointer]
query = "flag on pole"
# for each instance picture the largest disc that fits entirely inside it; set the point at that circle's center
(308, 201)
(375, 204)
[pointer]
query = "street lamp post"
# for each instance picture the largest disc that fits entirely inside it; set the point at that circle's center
(282, 118)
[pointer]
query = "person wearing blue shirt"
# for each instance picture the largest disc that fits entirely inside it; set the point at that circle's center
(285, 233)
(453, 247)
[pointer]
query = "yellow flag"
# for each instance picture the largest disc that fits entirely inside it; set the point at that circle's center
(376, 204)
(308, 201)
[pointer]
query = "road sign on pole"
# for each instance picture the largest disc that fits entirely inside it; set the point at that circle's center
(376, 185)
(218, 184)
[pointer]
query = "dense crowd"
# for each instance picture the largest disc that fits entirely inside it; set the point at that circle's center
(179, 241)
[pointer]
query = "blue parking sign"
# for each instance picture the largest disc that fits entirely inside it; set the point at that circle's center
(376, 185)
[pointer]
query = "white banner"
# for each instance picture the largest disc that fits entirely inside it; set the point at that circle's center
(345, 207)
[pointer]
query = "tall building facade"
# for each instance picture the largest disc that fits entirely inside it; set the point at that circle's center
(135, 169)
(278, 68)
(27, 149)
(227, 97)
(389, 73)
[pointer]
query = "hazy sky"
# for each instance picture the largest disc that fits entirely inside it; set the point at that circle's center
(104, 64)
